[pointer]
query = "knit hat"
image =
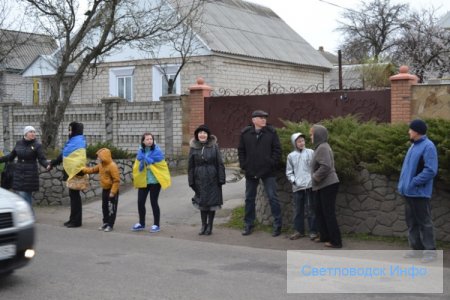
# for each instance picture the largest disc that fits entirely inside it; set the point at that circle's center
(28, 129)
(418, 126)
(201, 128)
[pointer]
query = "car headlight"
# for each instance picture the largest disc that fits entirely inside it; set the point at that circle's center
(24, 214)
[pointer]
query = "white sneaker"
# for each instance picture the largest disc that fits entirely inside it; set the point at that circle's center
(101, 228)
(108, 229)
(155, 228)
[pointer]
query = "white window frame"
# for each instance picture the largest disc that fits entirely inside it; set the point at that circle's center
(117, 74)
(157, 80)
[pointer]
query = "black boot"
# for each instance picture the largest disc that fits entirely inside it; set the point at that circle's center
(203, 229)
(204, 216)
(209, 227)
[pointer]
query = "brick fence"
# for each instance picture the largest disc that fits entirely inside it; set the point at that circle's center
(113, 120)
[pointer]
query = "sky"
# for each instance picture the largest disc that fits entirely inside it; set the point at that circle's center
(315, 20)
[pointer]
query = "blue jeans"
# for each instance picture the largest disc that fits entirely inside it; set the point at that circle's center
(27, 196)
(270, 186)
(304, 200)
(420, 225)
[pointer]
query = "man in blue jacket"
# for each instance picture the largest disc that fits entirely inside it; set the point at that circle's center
(416, 186)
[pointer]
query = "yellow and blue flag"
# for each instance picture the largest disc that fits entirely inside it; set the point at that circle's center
(74, 155)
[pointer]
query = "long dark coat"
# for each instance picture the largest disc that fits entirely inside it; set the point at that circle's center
(206, 173)
(25, 174)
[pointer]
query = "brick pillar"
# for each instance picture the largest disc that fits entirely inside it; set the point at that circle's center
(111, 105)
(171, 125)
(401, 95)
(197, 95)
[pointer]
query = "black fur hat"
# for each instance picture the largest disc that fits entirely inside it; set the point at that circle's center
(202, 128)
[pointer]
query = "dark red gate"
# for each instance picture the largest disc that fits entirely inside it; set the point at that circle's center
(227, 115)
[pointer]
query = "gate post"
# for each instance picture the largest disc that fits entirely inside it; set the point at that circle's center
(401, 95)
(196, 111)
(111, 107)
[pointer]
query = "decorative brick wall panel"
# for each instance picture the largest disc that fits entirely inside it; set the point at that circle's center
(126, 124)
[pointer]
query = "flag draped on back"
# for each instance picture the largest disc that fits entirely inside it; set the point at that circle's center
(74, 155)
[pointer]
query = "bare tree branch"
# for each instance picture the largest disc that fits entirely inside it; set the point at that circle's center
(84, 42)
(371, 31)
(424, 46)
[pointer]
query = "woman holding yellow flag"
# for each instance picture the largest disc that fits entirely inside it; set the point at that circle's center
(74, 160)
(150, 174)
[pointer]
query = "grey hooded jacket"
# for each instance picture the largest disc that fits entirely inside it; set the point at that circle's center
(298, 166)
(322, 165)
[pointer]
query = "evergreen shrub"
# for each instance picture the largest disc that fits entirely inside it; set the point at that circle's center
(116, 153)
(378, 147)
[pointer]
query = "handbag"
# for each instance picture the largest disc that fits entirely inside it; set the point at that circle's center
(79, 183)
(7, 176)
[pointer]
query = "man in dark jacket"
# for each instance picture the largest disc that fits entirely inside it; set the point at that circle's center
(259, 155)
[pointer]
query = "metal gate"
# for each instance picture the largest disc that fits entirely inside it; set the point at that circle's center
(227, 115)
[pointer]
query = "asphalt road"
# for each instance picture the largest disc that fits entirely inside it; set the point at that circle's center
(89, 264)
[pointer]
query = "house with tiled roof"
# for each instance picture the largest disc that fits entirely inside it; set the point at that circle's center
(18, 50)
(241, 45)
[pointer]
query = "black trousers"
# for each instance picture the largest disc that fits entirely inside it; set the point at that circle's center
(76, 213)
(326, 214)
(109, 207)
(154, 190)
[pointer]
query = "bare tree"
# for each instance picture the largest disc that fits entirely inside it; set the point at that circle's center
(177, 47)
(424, 46)
(84, 42)
(371, 31)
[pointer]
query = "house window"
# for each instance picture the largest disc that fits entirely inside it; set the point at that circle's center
(124, 87)
(121, 82)
(160, 84)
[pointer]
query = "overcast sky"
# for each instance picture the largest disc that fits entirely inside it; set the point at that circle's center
(315, 20)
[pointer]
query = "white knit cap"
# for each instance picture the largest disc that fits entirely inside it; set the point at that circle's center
(28, 129)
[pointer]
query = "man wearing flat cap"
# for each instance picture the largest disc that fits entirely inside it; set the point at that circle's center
(259, 154)
(416, 186)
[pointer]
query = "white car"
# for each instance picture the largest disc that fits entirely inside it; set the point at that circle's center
(16, 232)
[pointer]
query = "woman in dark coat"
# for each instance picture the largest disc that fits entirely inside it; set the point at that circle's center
(25, 173)
(206, 174)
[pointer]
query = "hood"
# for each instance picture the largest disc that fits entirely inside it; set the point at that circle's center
(212, 140)
(294, 138)
(320, 135)
(105, 155)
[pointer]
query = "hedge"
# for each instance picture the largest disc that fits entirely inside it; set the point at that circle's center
(378, 147)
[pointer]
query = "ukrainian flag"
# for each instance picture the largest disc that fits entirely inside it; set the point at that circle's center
(74, 155)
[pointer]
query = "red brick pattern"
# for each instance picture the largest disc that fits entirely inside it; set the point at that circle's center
(401, 95)
(196, 100)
